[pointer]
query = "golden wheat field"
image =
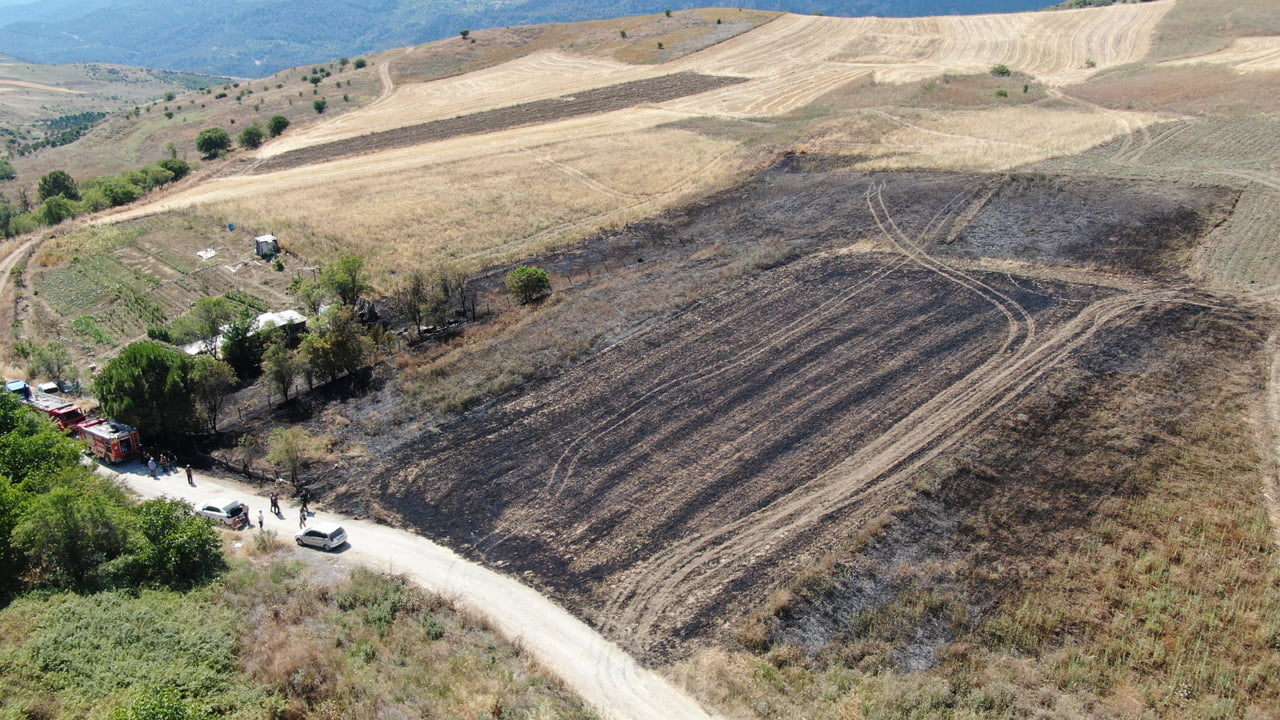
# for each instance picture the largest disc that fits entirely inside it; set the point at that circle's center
(521, 188)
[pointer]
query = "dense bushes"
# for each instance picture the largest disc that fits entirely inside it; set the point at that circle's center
(62, 527)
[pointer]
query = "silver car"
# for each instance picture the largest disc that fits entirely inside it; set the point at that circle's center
(325, 535)
(227, 512)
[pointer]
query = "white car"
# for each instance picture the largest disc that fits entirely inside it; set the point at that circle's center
(325, 535)
(227, 512)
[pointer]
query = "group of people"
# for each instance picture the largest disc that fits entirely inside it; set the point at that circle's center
(164, 463)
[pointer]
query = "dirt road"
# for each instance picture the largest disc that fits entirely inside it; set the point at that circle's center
(607, 679)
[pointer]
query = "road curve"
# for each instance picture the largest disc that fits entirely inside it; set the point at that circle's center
(609, 680)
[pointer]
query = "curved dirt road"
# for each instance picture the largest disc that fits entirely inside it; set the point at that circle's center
(607, 679)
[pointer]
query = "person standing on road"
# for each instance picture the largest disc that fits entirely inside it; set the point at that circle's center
(190, 480)
(261, 523)
(302, 519)
(275, 504)
(151, 465)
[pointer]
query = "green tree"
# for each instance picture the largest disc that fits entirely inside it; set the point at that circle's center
(346, 279)
(528, 283)
(252, 136)
(66, 534)
(211, 381)
(281, 366)
(117, 191)
(56, 209)
(464, 33)
(173, 546)
(359, 63)
(210, 315)
(277, 124)
(336, 344)
(52, 360)
(1001, 70)
(6, 170)
(212, 142)
(147, 386)
(310, 294)
(414, 298)
(320, 104)
(12, 560)
(58, 183)
(179, 168)
(242, 348)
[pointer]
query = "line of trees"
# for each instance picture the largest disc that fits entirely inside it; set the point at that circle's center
(59, 197)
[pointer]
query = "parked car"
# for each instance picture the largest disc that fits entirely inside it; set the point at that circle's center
(326, 536)
(228, 512)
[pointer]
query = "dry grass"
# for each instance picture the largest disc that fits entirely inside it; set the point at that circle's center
(470, 204)
(1195, 89)
(376, 646)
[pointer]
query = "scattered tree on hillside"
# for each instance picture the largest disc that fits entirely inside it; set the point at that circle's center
(320, 104)
(346, 279)
(212, 142)
(359, 63)
(252, 136)
(464, 33)
(335, 346)
(528, 283)
(1001, 70)
(58, 183)
(66, 535)
(280, 365)
(179, 168)
(277, 125)
(6, 170)
(211, 381)
(310, 293)
(291, 448)
(421, 300)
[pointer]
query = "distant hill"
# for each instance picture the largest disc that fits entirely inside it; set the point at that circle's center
(254, 38)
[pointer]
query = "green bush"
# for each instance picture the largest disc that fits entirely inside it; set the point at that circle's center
(252, 137)
(1001, 70)
(320, 105)
(277, 125)
(528, 283)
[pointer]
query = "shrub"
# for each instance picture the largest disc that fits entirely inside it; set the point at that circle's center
(1002, 93)
(359, 63)
(277, 125)
(1001, 70)
(56, 183)
(320, 105)
(252, 136)
(6, 170)
(528, 283)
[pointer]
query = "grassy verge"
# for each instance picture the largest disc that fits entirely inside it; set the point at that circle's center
(270, 640)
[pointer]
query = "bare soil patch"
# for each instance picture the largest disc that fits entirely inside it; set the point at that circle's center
(589, 102)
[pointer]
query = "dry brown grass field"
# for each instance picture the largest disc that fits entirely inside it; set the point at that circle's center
(876, 385)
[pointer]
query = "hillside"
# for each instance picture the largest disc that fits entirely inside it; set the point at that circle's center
(893, 367)
(262, 37)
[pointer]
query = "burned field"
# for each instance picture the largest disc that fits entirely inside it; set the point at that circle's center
(667, 484)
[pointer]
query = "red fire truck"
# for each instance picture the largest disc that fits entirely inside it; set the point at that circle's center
(66, 414)
(108, 439)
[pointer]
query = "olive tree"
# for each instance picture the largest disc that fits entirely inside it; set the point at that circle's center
(528, 283)
(212, 142)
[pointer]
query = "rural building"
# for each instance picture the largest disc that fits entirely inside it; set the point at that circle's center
(291, 320)
(266, 246)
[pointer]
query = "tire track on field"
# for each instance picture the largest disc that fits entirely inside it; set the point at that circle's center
(566, 464)
(712, 560)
